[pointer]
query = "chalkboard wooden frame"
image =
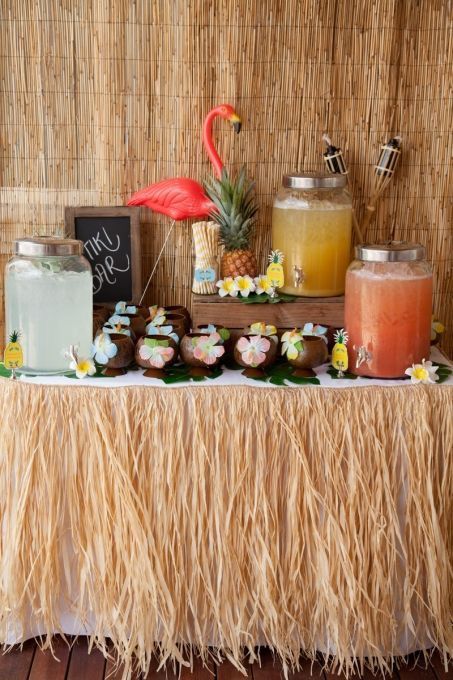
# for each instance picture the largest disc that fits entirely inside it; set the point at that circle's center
(72, 213)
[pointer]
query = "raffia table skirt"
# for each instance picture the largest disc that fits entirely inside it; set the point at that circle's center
(303, 519)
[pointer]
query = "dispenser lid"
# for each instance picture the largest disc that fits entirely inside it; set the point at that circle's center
(43, 246)
(313, 180)
(392, 251)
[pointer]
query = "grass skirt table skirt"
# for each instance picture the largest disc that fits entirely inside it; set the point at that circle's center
(297, 518)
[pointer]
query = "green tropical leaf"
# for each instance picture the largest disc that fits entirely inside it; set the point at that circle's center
(334, 374)
(4, 372)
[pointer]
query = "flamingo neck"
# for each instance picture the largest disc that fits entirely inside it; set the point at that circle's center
(209, 144)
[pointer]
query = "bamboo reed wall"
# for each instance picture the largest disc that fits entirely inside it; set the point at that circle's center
(100, 99)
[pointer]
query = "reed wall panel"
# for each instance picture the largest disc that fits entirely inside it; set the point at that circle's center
(100, 99)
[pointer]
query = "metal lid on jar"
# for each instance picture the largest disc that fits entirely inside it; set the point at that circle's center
(43, 246)
(313, 180)
(393, 251)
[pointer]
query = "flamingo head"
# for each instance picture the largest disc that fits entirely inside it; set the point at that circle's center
(227, 112)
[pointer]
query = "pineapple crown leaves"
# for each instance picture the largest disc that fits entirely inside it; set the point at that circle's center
(341, 337)
(14, 336)
(236, 208)
(276, 257)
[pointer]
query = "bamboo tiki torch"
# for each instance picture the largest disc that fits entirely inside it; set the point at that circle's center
(383, 173)
(335, 163)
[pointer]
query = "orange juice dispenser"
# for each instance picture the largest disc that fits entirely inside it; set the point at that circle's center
(311, 226)
(388, 309)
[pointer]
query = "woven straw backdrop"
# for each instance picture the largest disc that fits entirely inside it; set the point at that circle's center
(101, 98)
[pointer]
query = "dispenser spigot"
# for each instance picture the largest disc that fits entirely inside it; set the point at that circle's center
(298, 276)
(363, 355)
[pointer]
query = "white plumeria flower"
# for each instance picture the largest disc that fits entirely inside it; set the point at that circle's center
(263, 284)
(81, 366)
(227, 287)
(245, 285)
(157, 315)
(103, 348)
(162, 330)
(253, 350)
(157, 355)
(424, 372)
(292, 343)
(124, 308)
(208, 348)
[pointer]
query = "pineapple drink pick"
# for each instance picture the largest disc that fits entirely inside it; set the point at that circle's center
(311, 225)
(388, 309)
(49, 302)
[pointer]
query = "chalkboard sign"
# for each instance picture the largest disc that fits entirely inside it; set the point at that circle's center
(111, 238)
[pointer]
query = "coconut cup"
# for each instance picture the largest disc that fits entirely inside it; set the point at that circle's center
(118, 364)
(228, 344)
(132, 336)
(137, 324)
(314, 353)
(179, 309)
(153, 371)
(178, 322)
(143, 311)
(187, 352)
(252, 363)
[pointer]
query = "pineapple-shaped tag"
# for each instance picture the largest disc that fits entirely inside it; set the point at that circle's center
(274, 271)
(340, 353)
(13, 357)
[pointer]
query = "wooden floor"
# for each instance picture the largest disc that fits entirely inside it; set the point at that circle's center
(77, 664)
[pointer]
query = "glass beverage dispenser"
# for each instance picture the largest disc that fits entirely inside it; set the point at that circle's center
(388, 309)
(49, 301)
(311, 226)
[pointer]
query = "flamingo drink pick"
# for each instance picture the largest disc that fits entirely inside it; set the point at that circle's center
(388, 309)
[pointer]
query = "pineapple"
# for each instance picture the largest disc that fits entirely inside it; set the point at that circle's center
(235, 213)
(275, 272)
(340, 353)
(13, 357)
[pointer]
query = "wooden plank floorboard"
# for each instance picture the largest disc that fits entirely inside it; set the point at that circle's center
(77, 664)
(271, 669)
(226, 671)
(415, 668)
(437, 664)
(199, 672)
(84, 666)
(16, 663)
(46, 667)
(164, 673)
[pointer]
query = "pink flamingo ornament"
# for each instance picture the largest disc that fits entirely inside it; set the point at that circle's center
(181, 198)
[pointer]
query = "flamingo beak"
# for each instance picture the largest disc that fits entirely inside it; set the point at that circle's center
(237, 123)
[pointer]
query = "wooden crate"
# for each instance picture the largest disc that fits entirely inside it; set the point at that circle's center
(234, 314)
